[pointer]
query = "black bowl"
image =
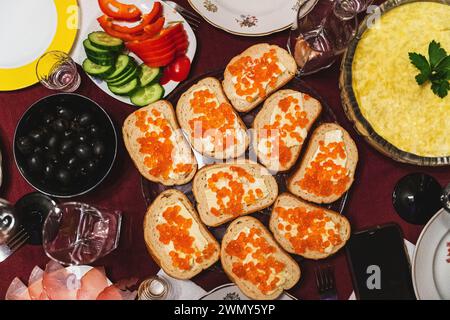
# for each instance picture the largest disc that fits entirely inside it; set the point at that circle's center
(81, 180)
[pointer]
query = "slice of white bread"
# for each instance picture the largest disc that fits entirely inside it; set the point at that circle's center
(351, 162)
(131, 133)
(266, 115)
(240, 103)
(202, 191)
(287, 201)
(185, 114)
(289, 277)
(157, 249)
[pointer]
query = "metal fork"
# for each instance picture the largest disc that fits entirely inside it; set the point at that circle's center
(326, 283)
(13, 244)
(193, 19)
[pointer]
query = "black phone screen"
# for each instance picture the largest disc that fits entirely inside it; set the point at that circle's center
(379, 263)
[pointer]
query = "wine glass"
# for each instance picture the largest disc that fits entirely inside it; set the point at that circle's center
(323, 32)
(57, 71)
(76, 233)
(418, 196)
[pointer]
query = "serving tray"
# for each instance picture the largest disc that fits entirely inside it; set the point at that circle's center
(353, 112)
(151, 189)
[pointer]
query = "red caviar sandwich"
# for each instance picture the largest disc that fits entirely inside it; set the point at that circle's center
(176, 238)
(157, 145)
(255, 262)
(212, 126)
(226, 191)
(281, 127)
(310, 231)
(256, 73)
(328, 167)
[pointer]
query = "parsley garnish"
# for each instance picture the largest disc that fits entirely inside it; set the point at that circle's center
(436, 69)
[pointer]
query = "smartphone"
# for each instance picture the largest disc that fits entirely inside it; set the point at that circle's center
(380, 264)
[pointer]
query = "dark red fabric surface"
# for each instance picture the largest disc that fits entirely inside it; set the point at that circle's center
(369, 201)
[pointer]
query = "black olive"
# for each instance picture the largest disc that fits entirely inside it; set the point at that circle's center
(85, 119)
(37, 136)
(53, 141)
(82, 138)
(25, 145)
(91, 165)
(65, 113)
(83, 151)
(66, 147)
(94, 130)
(72, 162)
(63, 176)
(60, 125)
(38, 150)
(68, 133)
(35, 163)
(99, 148)
(83, 171)
(48, 119)
(49, 170)
(52, 157)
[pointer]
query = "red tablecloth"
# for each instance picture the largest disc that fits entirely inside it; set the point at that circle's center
(369, 202)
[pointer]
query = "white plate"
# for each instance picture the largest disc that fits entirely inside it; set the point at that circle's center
(231, 292)
(24, 46)
(430, 270)
(248, 17)
(90, 11)
(80, 271)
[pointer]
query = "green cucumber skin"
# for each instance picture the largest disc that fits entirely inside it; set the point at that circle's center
(119, 90)
(152, 81)
(137, 97)
(108, 70)
(119, 72)
(126, 75)
(110, 47)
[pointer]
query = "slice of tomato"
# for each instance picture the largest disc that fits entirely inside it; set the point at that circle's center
(155, 28)
(147, 19)
(120, 11)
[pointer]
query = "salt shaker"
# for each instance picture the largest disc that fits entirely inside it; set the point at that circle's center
(8, 221)
(156, 288)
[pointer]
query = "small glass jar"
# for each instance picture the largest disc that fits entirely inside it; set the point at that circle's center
(155, 288)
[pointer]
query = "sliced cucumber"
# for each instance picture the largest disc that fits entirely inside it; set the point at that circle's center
(96, 52)
(102, 40)
(97, 70)
(123, 64)
(133, 74)
(146, 95)
(102, 61)
(126, 89)
(148, 75)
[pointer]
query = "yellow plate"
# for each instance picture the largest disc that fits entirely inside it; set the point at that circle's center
(65, 13)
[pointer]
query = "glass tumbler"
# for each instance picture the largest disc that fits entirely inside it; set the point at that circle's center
(76, 233)
(323, 32)
(57, 71)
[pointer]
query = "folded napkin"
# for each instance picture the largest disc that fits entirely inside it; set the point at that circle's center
(409, 247)
(182, 289)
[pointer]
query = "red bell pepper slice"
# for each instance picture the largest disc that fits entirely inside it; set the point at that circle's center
(147, 19)
(152, 58)
(120, 11)
(106, 23)
(155, 28)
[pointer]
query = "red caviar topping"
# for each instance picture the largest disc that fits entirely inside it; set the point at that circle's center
(230, 198)
(297, 120)
(216, 120)
(177, 230)
(252, 74)
(311, 223)
(257, 272)
(157, 145)
(324, 177)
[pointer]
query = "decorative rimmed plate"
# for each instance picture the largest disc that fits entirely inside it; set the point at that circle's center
(90, 11)
(80, 271)
(353, 111)
(249, 17)
(231, 292)
(431, 262)
(28, 30)
(151, 190)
